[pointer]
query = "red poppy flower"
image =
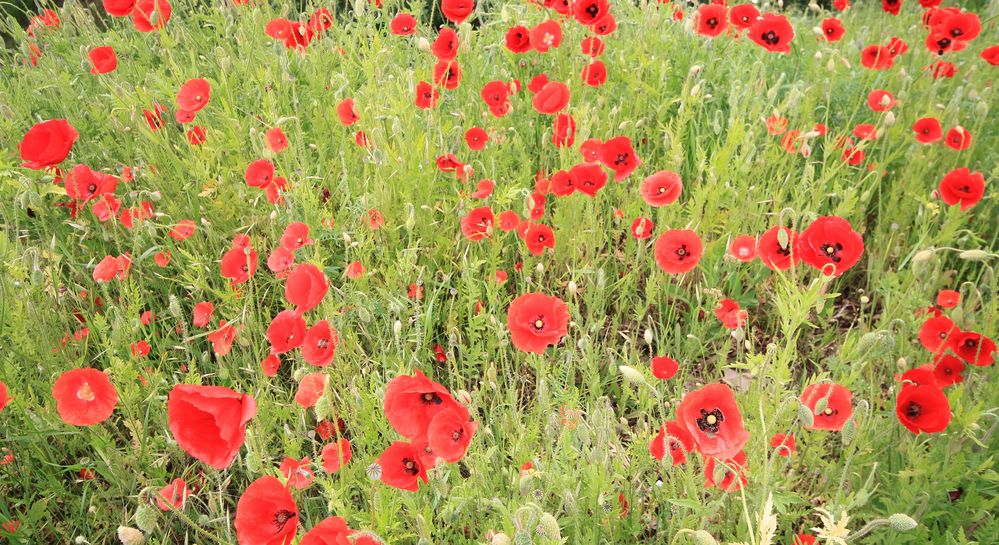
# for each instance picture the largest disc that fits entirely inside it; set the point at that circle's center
(457, 11)
(773, 32)
(606, 25)
(538, 236)
(150, 15)
(897, 46)
(239, 264)
(973, 348)
(295, 236)
(196, 135)
(877, 57)
(922, 409)
(832, 29)
(546, 35)
(276, 139)
(298, 473)
(320, 344)
(942, 69)
(447, 74)
(991, 55)
(730, 314)
(173, 495)
(286, 331)
(778, 248)
(678, 251)
(119, 8)
(330, 531)
(592, 46)
(853, 156)
(734, 477)
(948, 298)
(402, 467)
(642, 228)
(664, 367)
(551, 99)
(449, 434)
(674, 436)
(280, 260)
(743, 16)
(712, 19)
(518, 39)
(712, 418)
(310, 389)
(743, 248)
(948, 370)
(831, 405)
(266, 514)
(662, 188)
(411, 402)
(484, 189)
(891, 6)
(830, 245)
(355, 270)
(47, 144)
(958, 138)
(961, 186)
(222, 338)
(537, 321)
(445, 47)
(5, 398)
(202, 313)
(184, 117)
(209, 422)
(194, 95)
(880, 100)
(865, 131)
(919, 376)
(783, 443)
(478, 224)
(403, 24)
(618, 155)
(509, 220)
(84, 184)
(806, 539)
(259, 173)
(84, 397)
(564, 131)
(270, 364)
(476, 138)
(928, 130)
(336, 455)
(588, 178)
(306, 287)
(103, 60)
(345, 111)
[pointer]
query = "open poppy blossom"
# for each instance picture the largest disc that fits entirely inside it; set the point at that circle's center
(478, 224)
(777, 248)
(298, 473)
(457, 11)
(266, 514)
(928, 130)
(712, 19)
(743, 248)
(712, 418)
(832, 29)
(450, 433)
(173, 496)
(329, 531)
(102, 60)
(661, 188)
(47, 144)
(411, 403)
(286, 331)
(209, 422)
(963, 187)
(935, 333)
(923, 408)
(678, 251)
(773, 32)
(642, 228)
(537, 321)
(276, 139)
(664, 367)
(877, 57)
(538, 236)
(618, 155)
(831, 405)
(674, 438)
(588, 178)
(730, 314)
(239, 264)
(194, 95)
(948, 370)
(830, 245)
(295, 236)
(345, 111)
(742, 16)
(546, 35)
(320, 344)
(733, 472)
(551, 99)
(306, 287)
(403, 24)
(973, 348)
(402, 466)
(336, 455)
(782, 444)
(150, 15)
(84, 397)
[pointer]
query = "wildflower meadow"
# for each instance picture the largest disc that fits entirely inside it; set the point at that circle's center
(492, 272)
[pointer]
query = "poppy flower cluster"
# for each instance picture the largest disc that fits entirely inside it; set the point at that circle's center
(297, 35)
(438, 428)
(147, 15)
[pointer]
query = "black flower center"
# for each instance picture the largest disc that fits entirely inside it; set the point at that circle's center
(710, 421)
(431, 398)
(913, 410)
(831, 250)
(771, 37)
(282, 517)
(410, 467)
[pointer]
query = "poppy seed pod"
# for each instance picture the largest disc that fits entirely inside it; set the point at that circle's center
(901, 522)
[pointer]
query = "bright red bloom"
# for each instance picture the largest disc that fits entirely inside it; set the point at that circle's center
(662, 188)
(402, 467)
(194, 95)
(196, 135)
(712, 19)
(518, 39)
(5, 398)
(991, 55)
(773, 32)
(588, 178)
(537, 321)
(103, 60)
(411, 402)
(484, 189)
(592, 46)
(295, 236)
(664, 367)
(961, 186)
(209, 422)
(447, 74)
(830, 245)
(743, 248)
(476, 138)
(618, 155)
(831, 405)
(551, 99)
(735, 472)
(259, 173)
(84, 397)
(742, 16)
(310, 389)
(783, 443)
(778, 248)
(563, 131)
(880, 100)
(297, 472)
(239, 264)
(119, 8)
(730, 314)
(403, 24)
(345, 111)
(222, 338)
(306, 287)
(958, 138)
(678, 251)
(974, 348)
(546, 35)
(935, 333)
(923, 408)
(336, 455)
(928, 130)
(276, 139)
(449, 434)
(877, 57)
(150, 15)
(457, 11)
(642, 228)
(445, 47)
(948, 370)
(85, 184)
(286, 331)
(712, 418)
(539, 236)
(948, 298)
(47, 144)
(320, 344)
(173, 495)
(832, 29)
(677, 438)
(266, 514)
(478, 224)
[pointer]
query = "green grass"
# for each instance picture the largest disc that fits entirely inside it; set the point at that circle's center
(708, 124)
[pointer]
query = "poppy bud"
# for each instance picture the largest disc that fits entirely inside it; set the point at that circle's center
(889, 119)
(632, 375)
(831, 65)
(397, 328)
(145, 517)
(131, 536)
(346, 239)
(805, 415)
(695, 89)
(155, 196)
(572, 288)
(974, 255)
(902, 522)
(702, 537)
(548, 527)
(500, 538)
(818, 55)
(423, 44)
(648, 335)
(923, 255)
